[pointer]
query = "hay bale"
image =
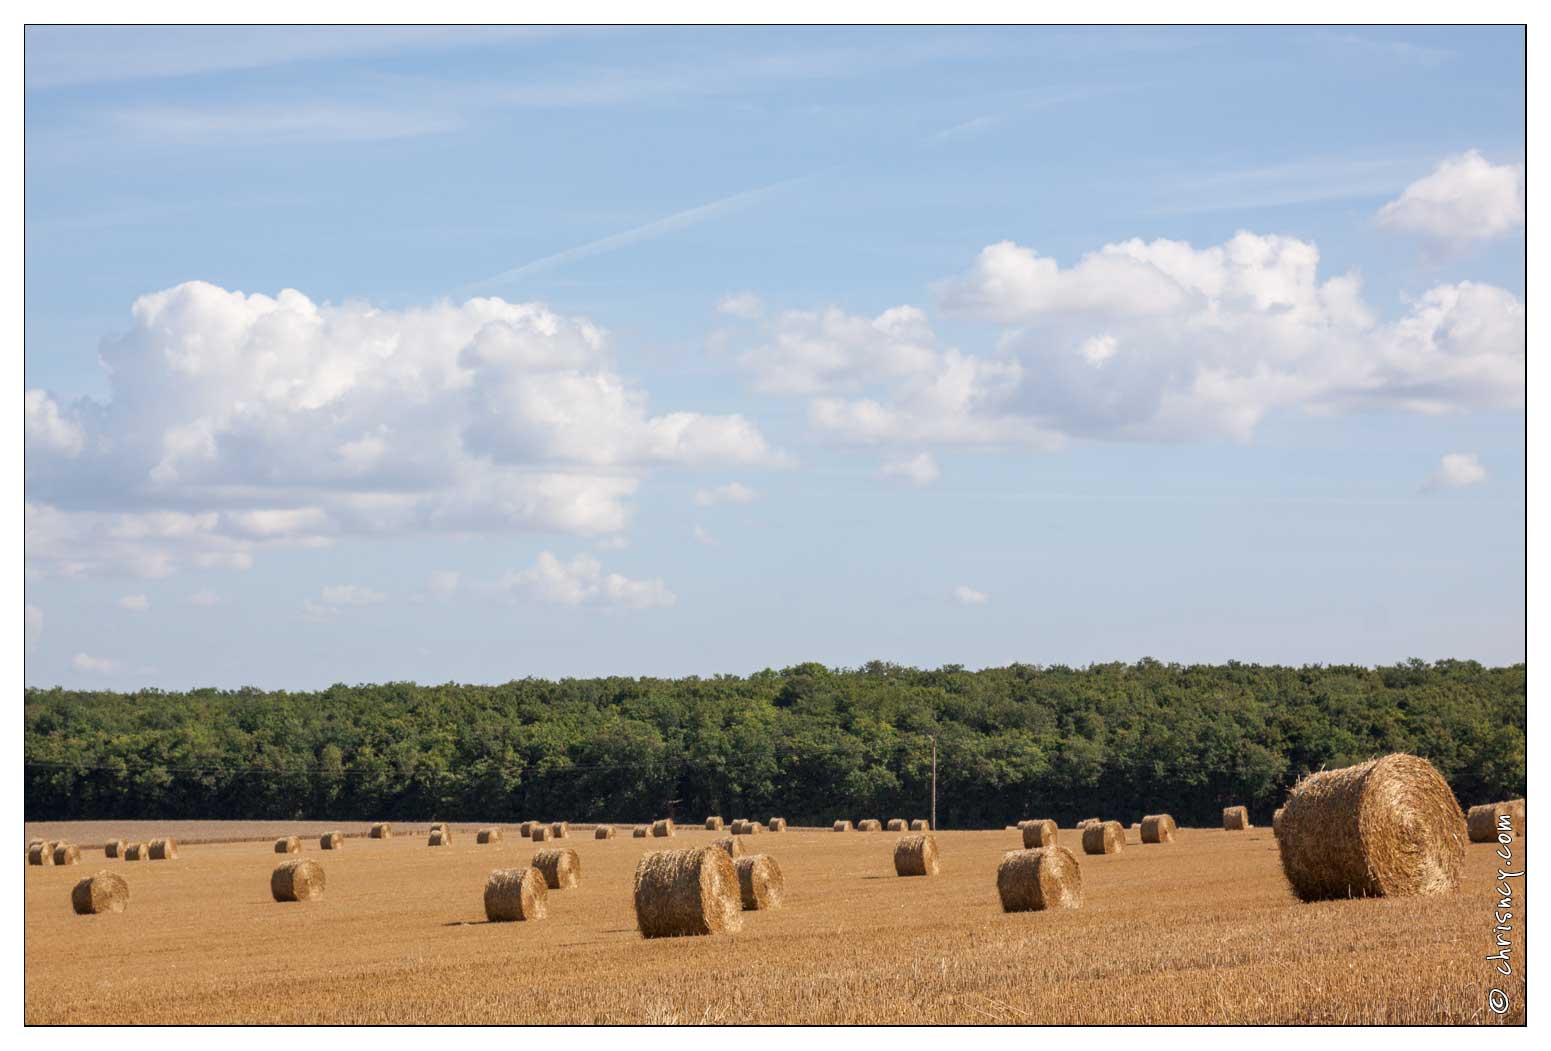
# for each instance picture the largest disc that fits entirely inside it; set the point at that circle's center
(332, 841)
(640, 832)
(732, 845)
(525, 830)
(1087, 822)
(869, 824)
(299, 880)
(713, 824)
(1235, 818)
(682, 893)
(760, 883)
(488, 835)
(1482, 820)
(541, 833)
(66, 854)
(561, 867)
(916, 855)
(663, 828)
(1037, 879)
(560, 830)
(920, 824)
(1158, 828)
(441, 826)
(136, 852)
(288, 845)
(382, 830)
(113, 848)
(516, 894)
(40, 854)
(439, 837)
(164, 849)
(751, 828)
(1389, 827)
(1276, 821)
(1107, 837)
(603, 832)
(106, 891)
(842, 826)
(776, 824)
(1040, 832)
(897, 824)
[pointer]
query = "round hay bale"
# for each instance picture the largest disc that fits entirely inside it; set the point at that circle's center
(869, 824)
(1276, 821)
(842, 826)
(1040, 832)
(561, 867)
(105, 891)
(681, 893)
(525, 830)
(288, 845)
(332, 841)
(488, 835)
(541, 833)
(776, 824)
(736, 828)
(164, 849)
(663, 828)
(299, 880)
(1087, 822)
(1107, 837)
(1235, 818)
(760, 883)
(1158, 828)
(916, 855)
(640, 832)
(1041, 878)
(920, 824)
(1389, 827)
(382, 830)
(439, 837)
(440, 826)
(603, 832)
(560, 830)
(897, 824)
(113, 848)
(136, 852)
(713, 824)
(66, 854)
(1482, 821)
(751, 828)
(732, 845)
(516, 894)
(40, 854)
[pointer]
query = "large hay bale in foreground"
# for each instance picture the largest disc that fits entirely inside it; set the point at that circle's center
(488, 835)
(869, 824)
(541, 834)
(561, 867)
(776, 824)
(1041, 878)
(897, 824)
(113, 848)
(106, 891)
(1389, 827)
(332, 841)
(714, 824)
(916, 855)
(288, 845)
(560, 830)
(1040, 832)
(920, 824)
(663, 828)
(299, 880)
(732, 845)
(1158, 828)
(1107, 837)
(165, 849)
(136, 852)
(1482, 820)
(66, 854)
(760, 883)
(439, 837)
(382, 830)
(516, 894)
(40, 854)
(1235, 818)
(681, 893)
(640, 832)
(842, 826)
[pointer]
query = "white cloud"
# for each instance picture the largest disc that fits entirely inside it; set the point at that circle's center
(965, 595)
(204, 598)
(238, 423)
(1455, 471)
(1465, 199)
(98, 665)
(702, 535)
(444, 583)
(582, 582)
(135, 603)
(332, 599)
(919, 470)
(731, 493)
(32, 626)
(744, 305)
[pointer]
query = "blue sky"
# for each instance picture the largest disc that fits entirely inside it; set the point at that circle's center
(357, 355)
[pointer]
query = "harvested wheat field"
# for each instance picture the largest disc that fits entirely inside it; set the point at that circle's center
(1205, 931)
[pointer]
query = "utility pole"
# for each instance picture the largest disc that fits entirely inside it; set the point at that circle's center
(934, 782)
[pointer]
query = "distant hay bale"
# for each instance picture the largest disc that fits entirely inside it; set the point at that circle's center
(332, 840)
(776, 824)
(1041, 878)
(113, 848)
(681, 893)
(869, 824)
(1276, 821)
(1482, 820)
(441, 826)
(1040, 832)
(165, 849)
(439, 837)
(1107, 837)
(40, 854)
(603, 832)
(920, 824)
(732, 845)
(560, 830)
(382, 830)
(299, 880)
(1235, 818)
(488, 835)
(516, 894)
(736, 828)
(751, 828)
(525, 830)
(916, 855)
(713, 824)
(640, 832)
(1389, 827)
(760, 883)
(1158, 828)
(897, 824)
(288, 845)
(842, 826)
(136, 852)
(663, 828)
(561, 867)
(106, 891)
(1087, 822)
(66, 853)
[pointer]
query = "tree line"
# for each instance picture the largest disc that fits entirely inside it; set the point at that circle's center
(809, 743)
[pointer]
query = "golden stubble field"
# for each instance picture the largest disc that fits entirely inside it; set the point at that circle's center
(1200, 930)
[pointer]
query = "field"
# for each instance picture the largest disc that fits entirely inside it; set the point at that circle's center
(1201, 930)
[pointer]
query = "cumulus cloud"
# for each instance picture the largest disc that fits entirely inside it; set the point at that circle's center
(238, 423)
(1455, 471)
(919, 470)
(96, 665)
(337, 597)
(135, 603)
(582, 582)
(731, 493)
(745, 305)
(1465, 199)
(965, 595)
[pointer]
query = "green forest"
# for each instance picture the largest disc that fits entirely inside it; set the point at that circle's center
(808, 743)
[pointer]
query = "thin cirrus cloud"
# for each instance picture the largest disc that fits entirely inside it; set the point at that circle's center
(1464, 200)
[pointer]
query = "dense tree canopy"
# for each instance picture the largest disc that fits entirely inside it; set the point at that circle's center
(808, 742)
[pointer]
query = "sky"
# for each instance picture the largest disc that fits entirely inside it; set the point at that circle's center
(356, 355)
